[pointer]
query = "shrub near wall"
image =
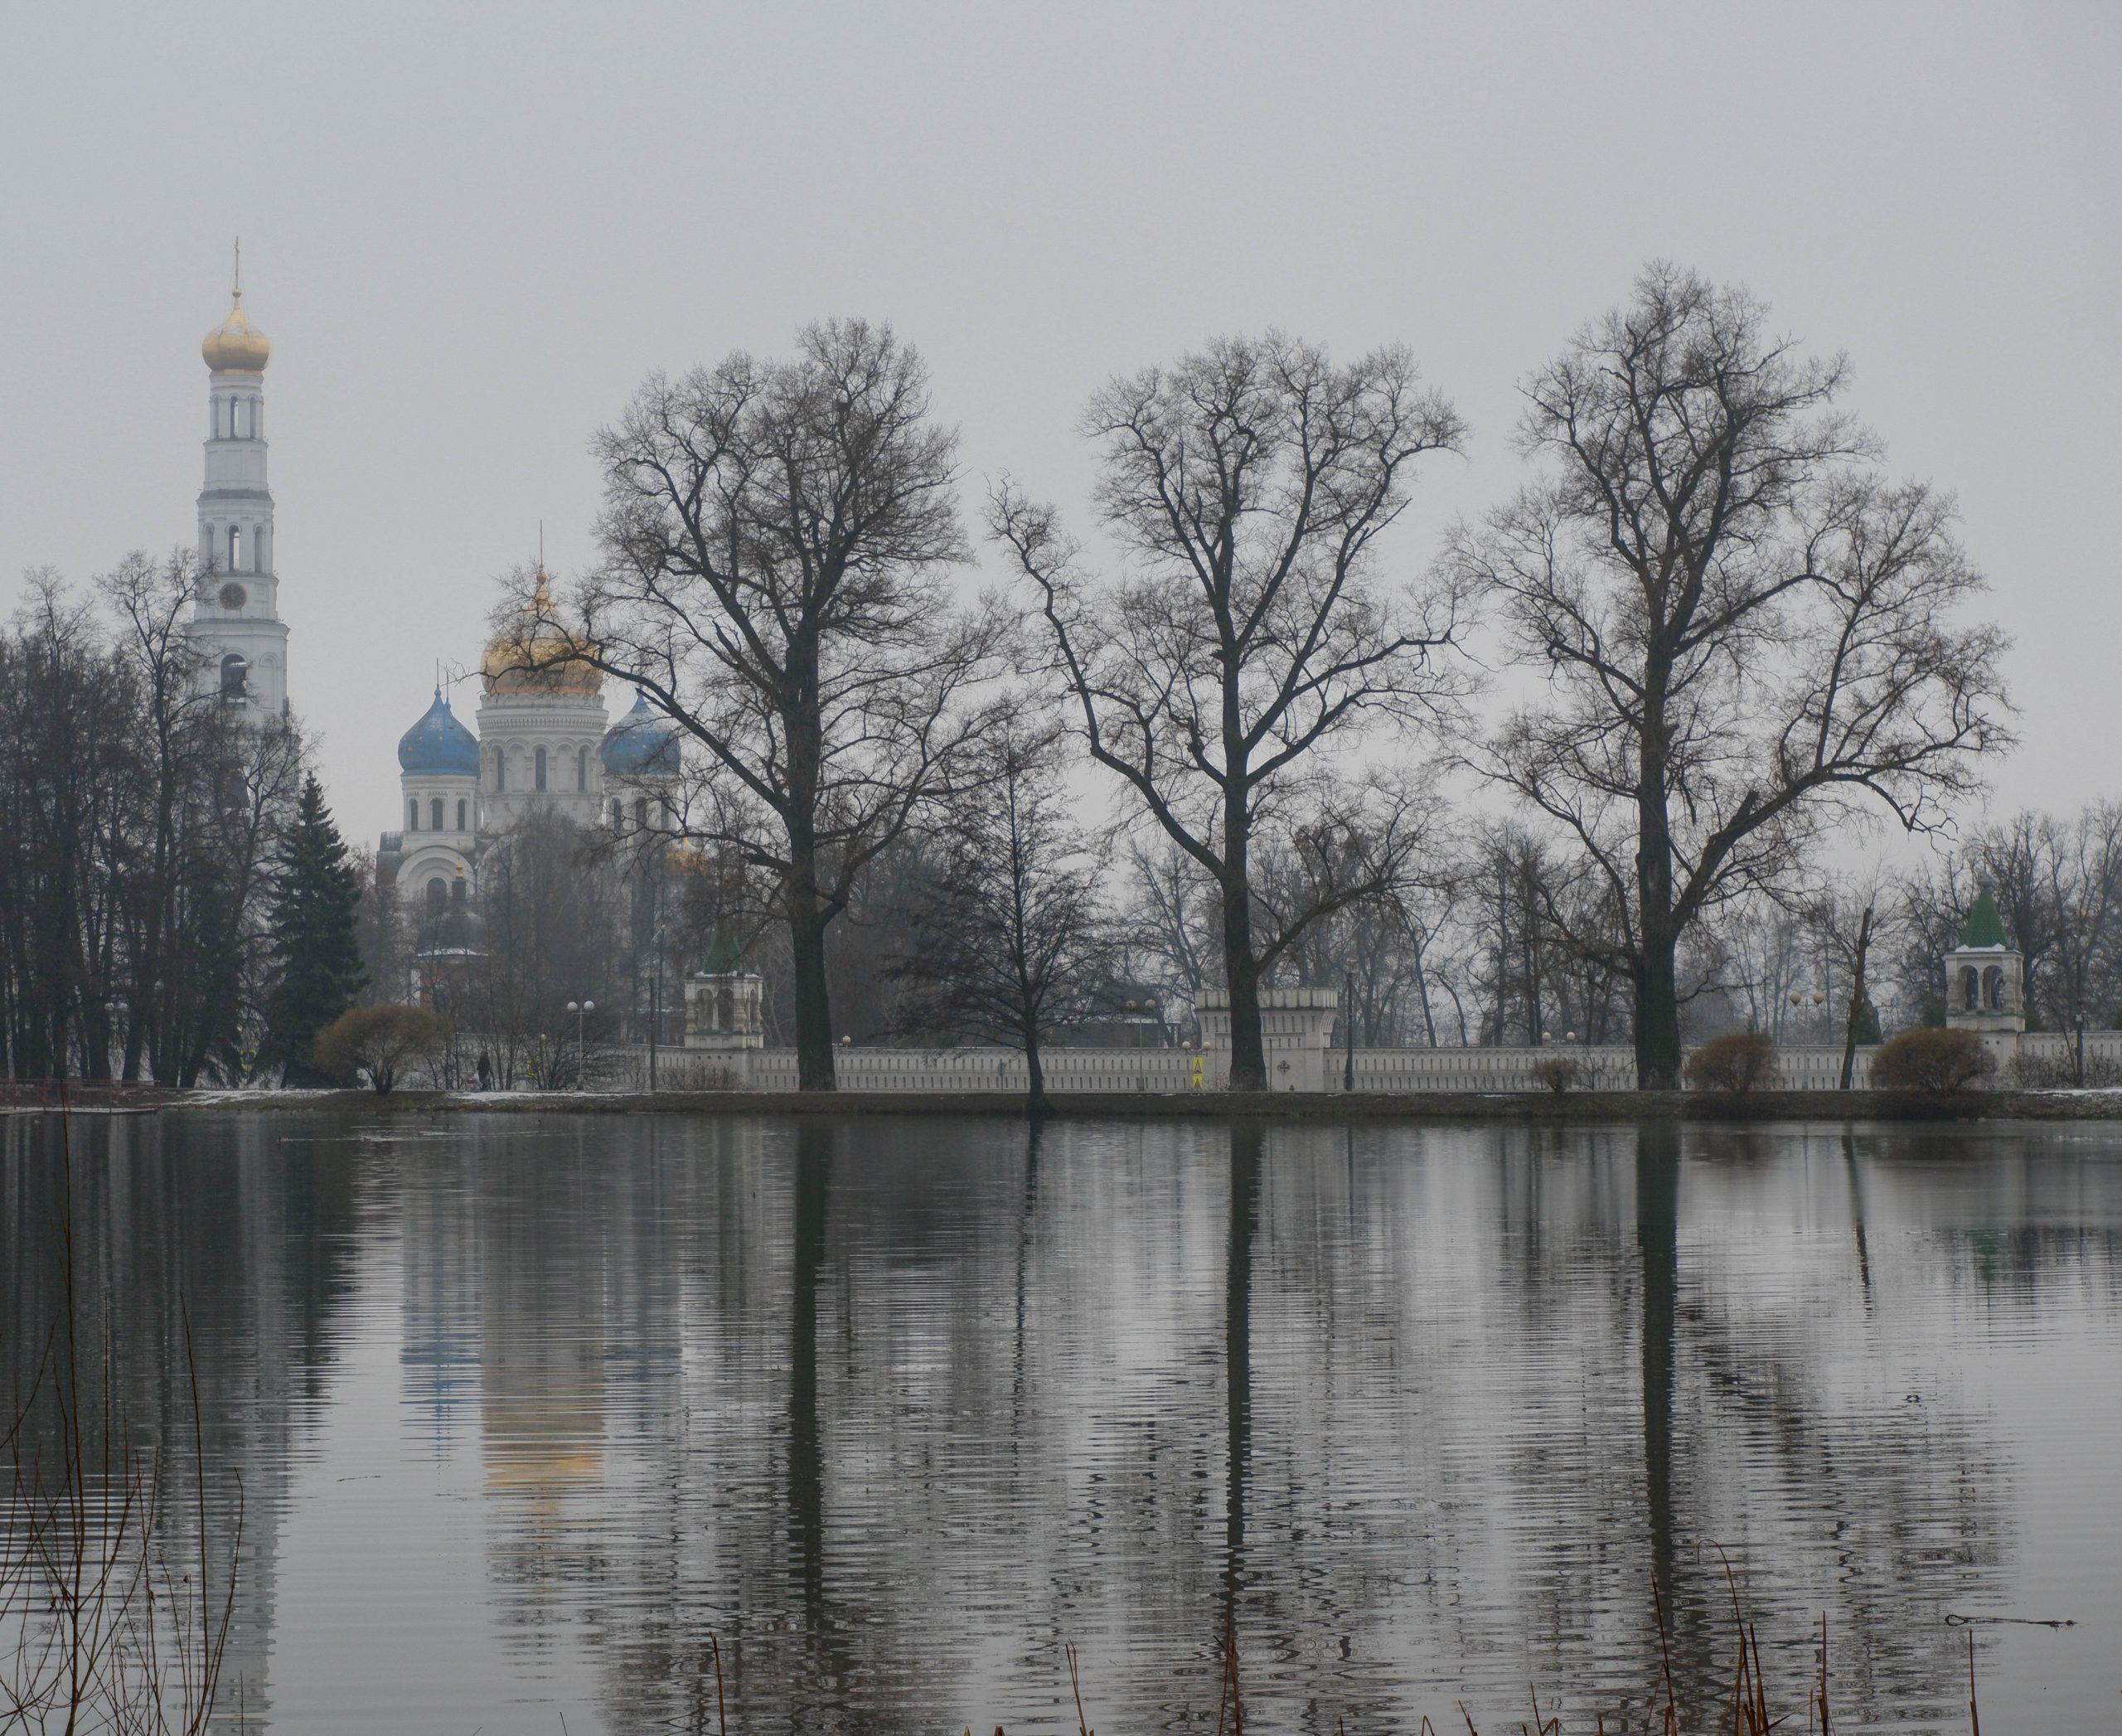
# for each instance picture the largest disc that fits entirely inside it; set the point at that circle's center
(1739, 1061)
(1556, 1073)
(1938, 1062)
(379, 1042)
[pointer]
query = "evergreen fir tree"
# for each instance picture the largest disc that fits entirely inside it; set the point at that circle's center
(316, 950)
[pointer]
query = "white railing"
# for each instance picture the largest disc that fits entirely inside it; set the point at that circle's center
(1606, 1067)
(1388, 1071)
(984, 1069)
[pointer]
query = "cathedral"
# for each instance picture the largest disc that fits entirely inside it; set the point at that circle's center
(543, 741)
(541, 746)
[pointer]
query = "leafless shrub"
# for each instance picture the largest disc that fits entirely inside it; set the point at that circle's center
(379, 1043)
(2032, 1070)
(1931, 1060)
(1739, 1061)
(1557, 1073)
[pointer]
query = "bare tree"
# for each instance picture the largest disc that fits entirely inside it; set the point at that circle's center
(2058, 887)
(1013, 943)
(138, 816)
(1167, 920)
(1846, 920)
(1929, 904)
(1247, 487)
(776, 536)
(545, 932)
(2084, 896)
(1747, 636)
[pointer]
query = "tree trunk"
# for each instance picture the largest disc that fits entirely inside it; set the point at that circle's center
(1658, 1013)
(807, 947)
(1657, 976)
(1421, 988)
(1248, 1055)
(1036, 1101)
(1856, 1000)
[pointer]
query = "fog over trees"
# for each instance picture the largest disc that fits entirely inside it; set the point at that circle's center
(777, 538)
(1746, 631)
(1606, 765)
(1250, 634)
(138, 823)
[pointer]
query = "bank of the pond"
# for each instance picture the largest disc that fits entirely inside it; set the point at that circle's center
(1572, 1109)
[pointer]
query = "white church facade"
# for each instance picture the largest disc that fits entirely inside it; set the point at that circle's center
(542, 744)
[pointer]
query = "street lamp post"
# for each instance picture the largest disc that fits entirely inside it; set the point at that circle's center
(655, 1011)
(581, 1010)
(1349, 1032)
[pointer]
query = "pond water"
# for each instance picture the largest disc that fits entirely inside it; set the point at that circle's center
(524, 1411)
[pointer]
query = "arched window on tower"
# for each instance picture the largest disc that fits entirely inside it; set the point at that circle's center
(236, 676)
(236, 417)
(582, 768)
(1970, 989)
(641, 811)
(537, 773)
(235, 550)
(500, 771)
(438, 896)
(434, 813)
(618, 814)
(1992, 987)
(461, 826)
(413, 814)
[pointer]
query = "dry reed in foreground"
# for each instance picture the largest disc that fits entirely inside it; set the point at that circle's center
(1745, 1711)
(109, 1623)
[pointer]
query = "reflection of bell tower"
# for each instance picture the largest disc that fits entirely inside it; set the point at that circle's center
(236, 620)
(1984, 975)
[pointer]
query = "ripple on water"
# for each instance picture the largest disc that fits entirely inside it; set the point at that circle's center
(525, 1410)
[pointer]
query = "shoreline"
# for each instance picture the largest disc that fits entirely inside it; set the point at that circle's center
(1540, 1109)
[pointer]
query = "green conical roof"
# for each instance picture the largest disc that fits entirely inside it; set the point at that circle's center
(1984, 927)
(725, 956)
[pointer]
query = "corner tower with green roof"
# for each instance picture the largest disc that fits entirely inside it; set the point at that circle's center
(1985, 985)
(724, 1001)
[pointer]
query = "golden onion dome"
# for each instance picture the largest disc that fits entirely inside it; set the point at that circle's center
(531, 655)
(236, 345)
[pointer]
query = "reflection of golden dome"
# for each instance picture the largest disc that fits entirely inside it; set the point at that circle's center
(236, 345)
(531, 655)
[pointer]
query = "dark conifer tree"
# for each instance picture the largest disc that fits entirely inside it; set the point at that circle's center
(316, 948)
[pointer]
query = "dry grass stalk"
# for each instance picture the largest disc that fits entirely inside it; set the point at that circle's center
(103, 1631)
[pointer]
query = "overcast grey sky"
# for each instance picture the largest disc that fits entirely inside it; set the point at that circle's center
(470, 229)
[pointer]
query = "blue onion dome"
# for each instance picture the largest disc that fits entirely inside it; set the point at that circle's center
(643, 743)
(439, 746)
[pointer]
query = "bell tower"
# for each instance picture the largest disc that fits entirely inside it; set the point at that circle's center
(1985, 989)
(236, 620)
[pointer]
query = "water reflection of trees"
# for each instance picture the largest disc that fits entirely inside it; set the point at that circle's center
(1405, 1415)
(893, 1409)
(200, 1220)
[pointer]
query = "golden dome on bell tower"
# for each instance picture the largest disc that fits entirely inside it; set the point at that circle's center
(236, 345)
